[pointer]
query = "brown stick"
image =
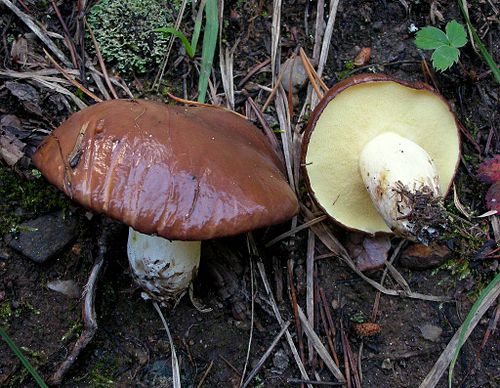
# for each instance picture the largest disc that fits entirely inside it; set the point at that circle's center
(88, 310)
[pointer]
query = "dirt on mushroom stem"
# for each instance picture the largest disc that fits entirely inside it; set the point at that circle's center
(428, 217)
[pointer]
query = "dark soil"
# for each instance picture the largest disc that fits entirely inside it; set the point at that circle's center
(131, 347)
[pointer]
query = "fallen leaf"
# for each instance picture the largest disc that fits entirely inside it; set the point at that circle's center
(489, 170)
(28, 96)
(369, 253)
(19, 51)
(11, 148)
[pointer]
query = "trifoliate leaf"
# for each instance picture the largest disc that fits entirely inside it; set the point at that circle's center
(456, 34)
(429, 38)
(443, 57)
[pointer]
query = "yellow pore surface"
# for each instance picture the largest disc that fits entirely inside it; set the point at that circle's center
(353, 118)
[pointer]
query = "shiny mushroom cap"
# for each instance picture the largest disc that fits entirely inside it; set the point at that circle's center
(183, 173)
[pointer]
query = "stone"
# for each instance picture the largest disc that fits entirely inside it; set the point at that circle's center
(294, 74)
(421, 257)
(280, 361)
(431, 332)
(65, 287)
(44, 237)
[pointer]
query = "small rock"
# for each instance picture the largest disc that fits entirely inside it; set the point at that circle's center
(42, 238)
(280, 361)
(387, 364)
(293, 73)
(431, 332)
(65, 287)
(420, 257)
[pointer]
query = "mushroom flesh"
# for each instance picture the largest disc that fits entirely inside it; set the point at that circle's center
(379, 154)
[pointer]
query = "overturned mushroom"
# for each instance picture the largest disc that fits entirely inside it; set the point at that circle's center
(379, 154)
(175, 175)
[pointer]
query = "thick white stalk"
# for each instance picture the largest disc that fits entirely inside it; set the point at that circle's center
(404, 186)
(163, 268)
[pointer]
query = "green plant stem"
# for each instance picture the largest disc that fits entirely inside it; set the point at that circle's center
(494, 283)
(484, 52)
(23, 359)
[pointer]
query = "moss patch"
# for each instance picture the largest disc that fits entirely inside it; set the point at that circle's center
(21, 199)
(123, 30)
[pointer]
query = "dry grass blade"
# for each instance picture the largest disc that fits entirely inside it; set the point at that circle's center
(42, 35)
(74, 82)
(495, 224)
(275, 40)
(273, 93)
(325, 47)
(293, 231)
(252, 299)
(101, 61)
(159, 75)
(119, 83)
(335, 246)
(437, 371)
(310, 287)
(265, 355)
(277, 314)
(226, 70)
(265, 126)
(176, 374)
(47, 81)
(58, 88)
(319, 30)
(286, 133)
(320, 348)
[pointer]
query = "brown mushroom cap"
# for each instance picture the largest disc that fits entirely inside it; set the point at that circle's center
(351, 114)
(183, 173)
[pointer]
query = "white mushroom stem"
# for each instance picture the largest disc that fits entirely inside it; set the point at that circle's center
(163, 268)
(404, 186)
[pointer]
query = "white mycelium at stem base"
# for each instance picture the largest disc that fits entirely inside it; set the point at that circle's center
(404, 185)
(163, 268)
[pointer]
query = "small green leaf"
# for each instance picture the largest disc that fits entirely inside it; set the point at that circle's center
(166, 31)
(456, 34)
(444, 56)
(429, 38)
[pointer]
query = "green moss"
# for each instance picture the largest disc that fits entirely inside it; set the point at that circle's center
(5, 312)
(344, 73)
(103, 372)
(123, 30)
(32, 197)
(74, 330)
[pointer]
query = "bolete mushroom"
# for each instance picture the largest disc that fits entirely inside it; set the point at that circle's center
(176, 175)
(379, 154)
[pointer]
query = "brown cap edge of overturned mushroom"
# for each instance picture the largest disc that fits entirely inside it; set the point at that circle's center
(330, 95)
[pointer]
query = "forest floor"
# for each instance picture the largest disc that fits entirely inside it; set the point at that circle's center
(130, 347)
